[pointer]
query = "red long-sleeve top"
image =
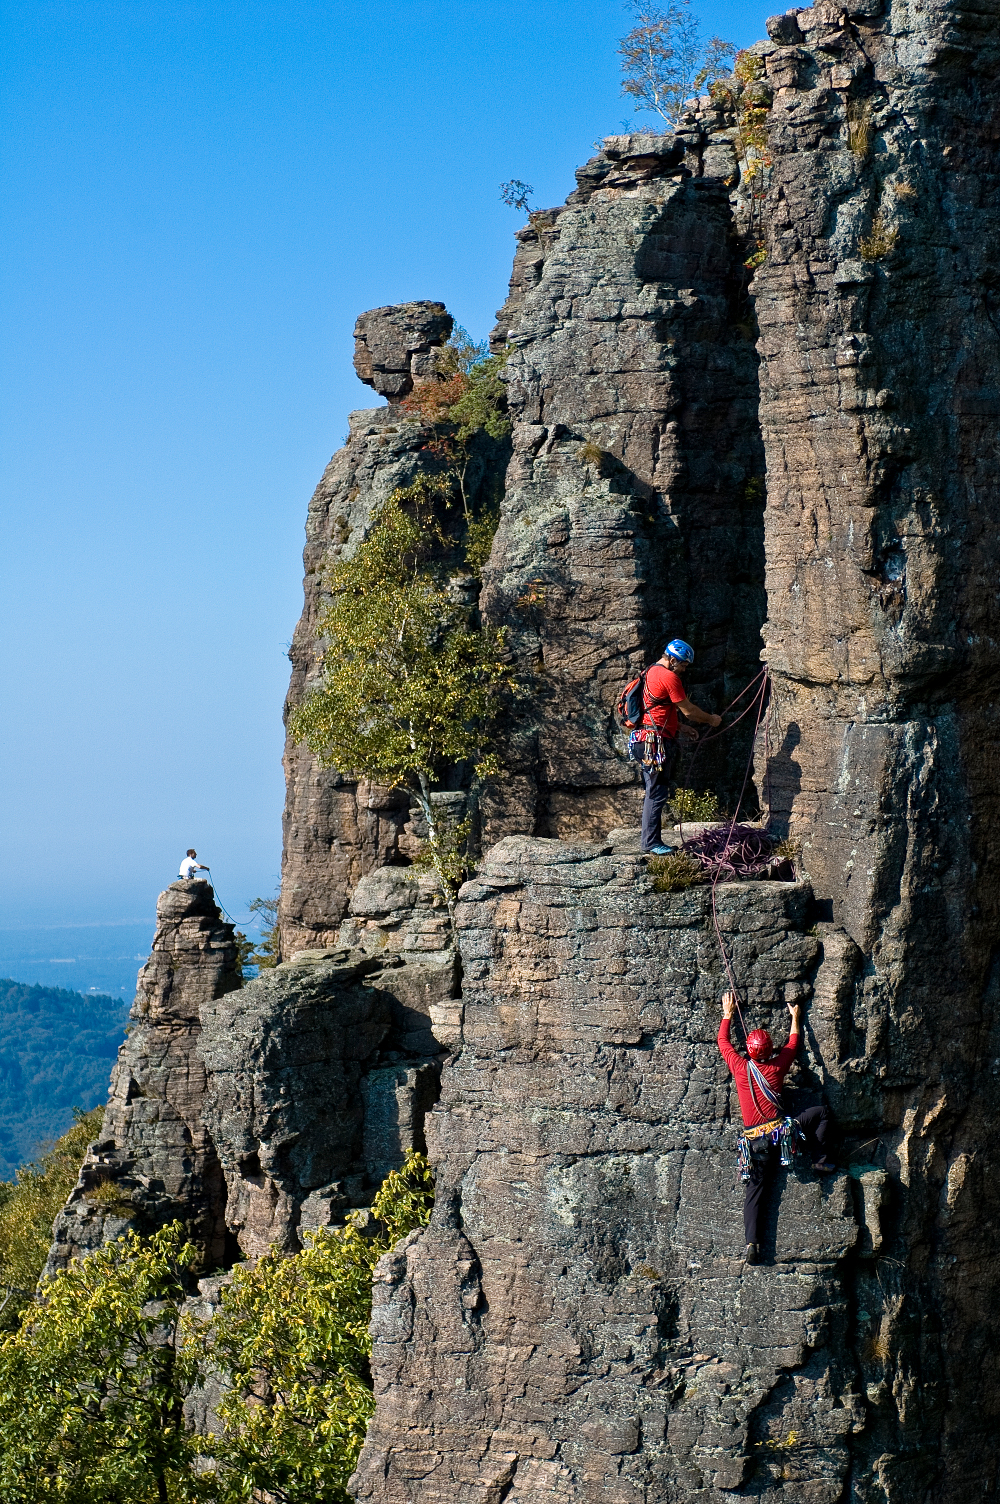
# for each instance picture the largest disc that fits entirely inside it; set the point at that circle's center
(774, 1072)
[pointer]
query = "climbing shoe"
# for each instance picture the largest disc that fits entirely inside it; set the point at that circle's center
(750, 1257)
(824, 1166)
(659, 851)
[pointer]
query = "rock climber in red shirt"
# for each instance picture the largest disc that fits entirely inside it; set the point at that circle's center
(654, 744)
(759, 1080)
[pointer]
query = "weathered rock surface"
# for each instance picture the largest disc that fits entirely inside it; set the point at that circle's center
(629, 336)
(880, 391)
(336, 829)
(252, 1111)
(394, 347)
(155, 1159)
(308, 1103)
(577, 1321)
(632, 509)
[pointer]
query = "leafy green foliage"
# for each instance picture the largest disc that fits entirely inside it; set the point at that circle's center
(412, 684)
(267, 952)
(686, 804)
(466, 406)
(293, 1333)
(749, 102)
(28, 1209)
(56, 1052)
(479, 536)
(516, 195)
(91, 1384)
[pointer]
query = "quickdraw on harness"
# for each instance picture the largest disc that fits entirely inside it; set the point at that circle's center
(782, 1131)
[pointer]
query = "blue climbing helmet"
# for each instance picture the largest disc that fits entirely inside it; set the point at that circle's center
(682, 651)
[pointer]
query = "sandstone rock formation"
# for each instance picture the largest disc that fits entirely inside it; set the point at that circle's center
(632, 510)
(577, 1323)
(336, 829)
(879, 390)
(254, 1111)
(308, 1103)
(154, 1160)
(394, 347)
(880, 368)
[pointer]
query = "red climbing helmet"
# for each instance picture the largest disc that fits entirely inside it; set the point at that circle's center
(759, 1045)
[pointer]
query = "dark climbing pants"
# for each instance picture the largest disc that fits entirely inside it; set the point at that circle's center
(815, 1124)
(657, 781)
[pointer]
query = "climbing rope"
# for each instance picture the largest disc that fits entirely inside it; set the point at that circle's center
(221, 904)
(762, 702)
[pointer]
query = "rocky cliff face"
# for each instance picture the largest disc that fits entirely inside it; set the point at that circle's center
(576, 1322)
(534, 1298)
(252, 1112)
(879, 395)
(632, 510)
(155, 1159)
(336, 830)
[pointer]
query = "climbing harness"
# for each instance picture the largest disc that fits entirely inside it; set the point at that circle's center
(783, 1133)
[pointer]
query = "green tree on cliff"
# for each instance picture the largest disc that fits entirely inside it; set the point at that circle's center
(464, 408)
(293, 1332)
(665, 61)
(28, 1208)
(93, 1384)
(412, 683)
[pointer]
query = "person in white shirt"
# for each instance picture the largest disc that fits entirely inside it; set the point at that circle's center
(189, 866)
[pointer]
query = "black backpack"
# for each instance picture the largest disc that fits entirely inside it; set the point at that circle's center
(632, 707)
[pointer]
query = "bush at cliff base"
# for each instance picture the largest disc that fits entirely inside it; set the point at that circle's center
(28, 1207)
(92, 1386)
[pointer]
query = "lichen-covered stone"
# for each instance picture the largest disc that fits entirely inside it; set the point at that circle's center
(577, 1321)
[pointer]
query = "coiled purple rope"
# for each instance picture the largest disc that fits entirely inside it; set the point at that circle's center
(733, 851)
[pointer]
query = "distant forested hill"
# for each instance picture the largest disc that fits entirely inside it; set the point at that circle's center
(56, 1053)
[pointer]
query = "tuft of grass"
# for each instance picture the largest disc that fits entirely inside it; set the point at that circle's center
(674, 873)
(686, 804)
(880, 242)
(602, 461)
(904, 190)
(788, 851)
(109, 1194)
(859, 126)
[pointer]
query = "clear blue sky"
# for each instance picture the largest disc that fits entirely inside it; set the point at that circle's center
(201, 198)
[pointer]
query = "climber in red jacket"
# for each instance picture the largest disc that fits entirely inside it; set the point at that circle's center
(767, 1126)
